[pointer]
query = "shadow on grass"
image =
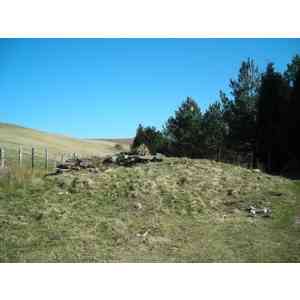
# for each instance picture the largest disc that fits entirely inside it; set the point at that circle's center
(295, 175)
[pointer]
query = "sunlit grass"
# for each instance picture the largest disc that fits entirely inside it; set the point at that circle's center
(179, 210)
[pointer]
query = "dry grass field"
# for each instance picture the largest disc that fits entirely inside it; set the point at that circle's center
(16, 135)
(13, 136)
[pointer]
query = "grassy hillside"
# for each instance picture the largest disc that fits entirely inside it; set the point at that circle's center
(178, 210)
(125, 142)
(11, 136)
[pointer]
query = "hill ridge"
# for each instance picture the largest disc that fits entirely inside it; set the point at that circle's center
(12, 136)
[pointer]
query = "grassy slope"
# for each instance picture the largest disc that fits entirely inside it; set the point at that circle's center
(11, 136)
(179, 210)
(125, 142)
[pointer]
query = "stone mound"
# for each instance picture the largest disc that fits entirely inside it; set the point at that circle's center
(142, 150)
(96, 164)
(128, 159)
(76, 164)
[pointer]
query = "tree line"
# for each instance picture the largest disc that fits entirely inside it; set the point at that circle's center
(257, 123)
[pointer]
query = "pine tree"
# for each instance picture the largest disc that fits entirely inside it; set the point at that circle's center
(214, 131)
(292, 69)
(272, 104)
(139, 137)
(294, 117)
(151, 137)
(244, 107)
(183, 131)
(240, 112)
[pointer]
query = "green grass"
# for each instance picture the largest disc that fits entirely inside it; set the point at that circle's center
(180, 210)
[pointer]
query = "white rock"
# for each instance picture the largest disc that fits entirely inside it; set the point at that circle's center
(138, 205)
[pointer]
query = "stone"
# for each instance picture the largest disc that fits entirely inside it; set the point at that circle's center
(153, 240)
(159, 156)
(85, 164)
(138, 205)
(129, 159)
(265, 212)
(76, 164)
(142, 150)
(63, 193)
(142, 235)
(114, 158)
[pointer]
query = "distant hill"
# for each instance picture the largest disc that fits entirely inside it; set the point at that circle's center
(12, 136)
(127, 142)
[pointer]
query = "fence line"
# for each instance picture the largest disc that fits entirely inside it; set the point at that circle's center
(2, 157)
(10, 156)
(20, 156)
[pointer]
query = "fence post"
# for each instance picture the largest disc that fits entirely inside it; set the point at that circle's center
(32, 158)
(46, 158)
(20, 156)
(2, 157)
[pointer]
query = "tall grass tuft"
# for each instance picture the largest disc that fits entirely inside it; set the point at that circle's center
(16, 177)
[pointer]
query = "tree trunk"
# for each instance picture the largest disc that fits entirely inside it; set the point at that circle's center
(269, 163)
(219, 153)
(254, 156)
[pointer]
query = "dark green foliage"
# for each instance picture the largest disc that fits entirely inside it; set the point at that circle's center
(294, 121)
(215, 131)
(291, 73)
(139, 137)
(241, 111)
(183, 131)
(261, 120)
(272, 120)
(151, 137)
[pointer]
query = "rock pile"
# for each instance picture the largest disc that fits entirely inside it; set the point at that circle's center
(142, 150)
(139, 155)
(95, 164)
(76, 164)
(128, 159)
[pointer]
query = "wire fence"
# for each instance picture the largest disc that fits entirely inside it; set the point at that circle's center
(13, 155)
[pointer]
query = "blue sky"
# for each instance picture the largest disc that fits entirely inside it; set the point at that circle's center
(106, 87)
